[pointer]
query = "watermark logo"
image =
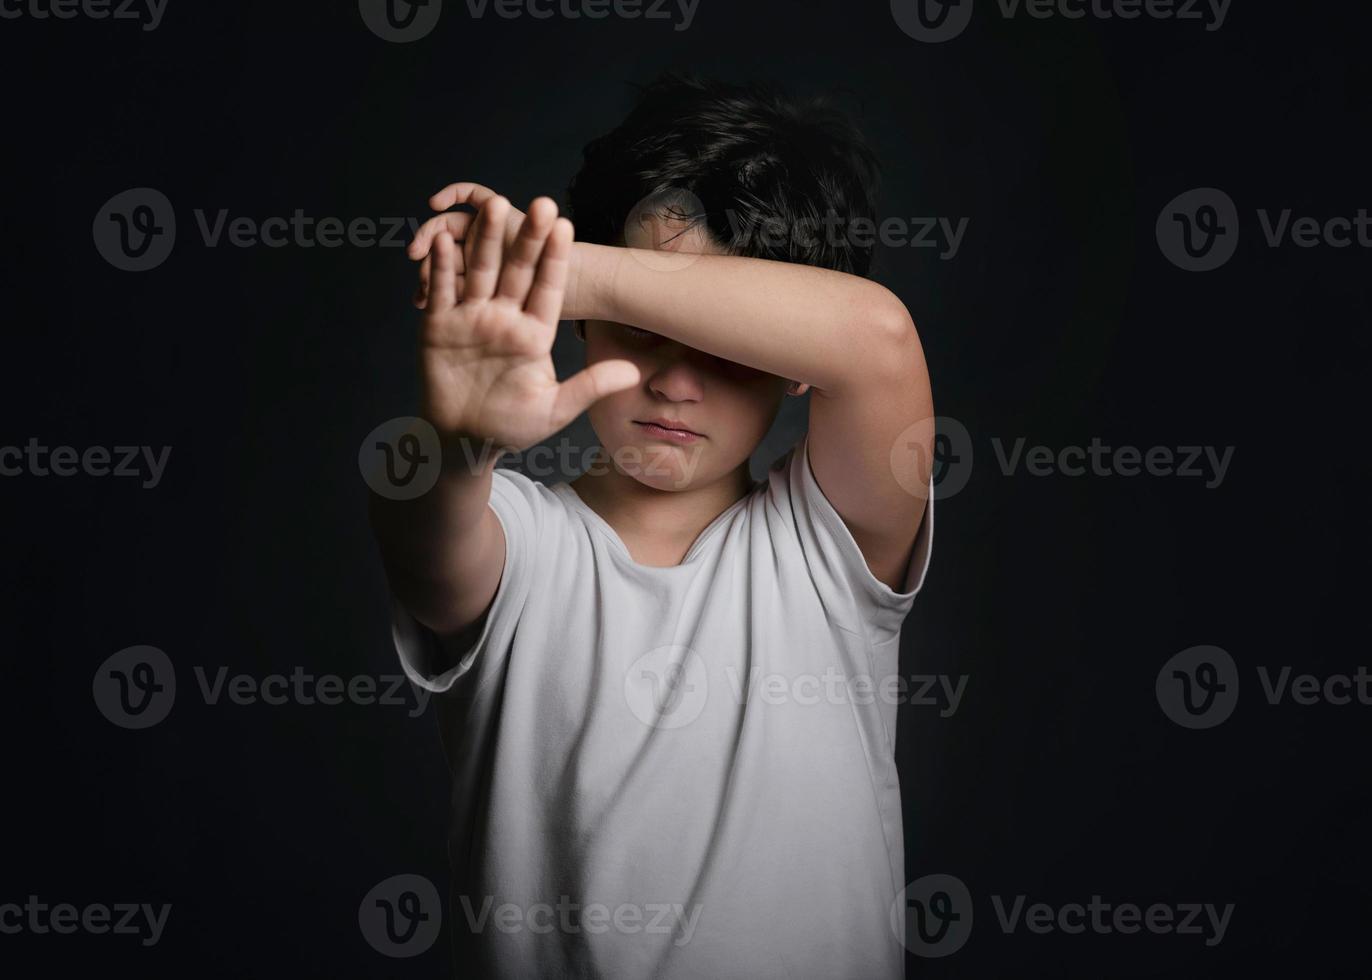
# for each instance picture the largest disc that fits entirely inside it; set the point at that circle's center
(666, 222)
(932, 21)
(1199, 230)
(936, 21)
(400, 917)
(573, 918)
(135, 230)
(136, 687)
(401, 21)
(662, 230)
(401, 459)
(952, 456)
(305, 689)
(1198, 687)
(667, 687)
(932, 916)
(949, 468)
(404, 21)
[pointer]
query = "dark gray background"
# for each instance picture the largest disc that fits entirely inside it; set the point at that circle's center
(1059, 320)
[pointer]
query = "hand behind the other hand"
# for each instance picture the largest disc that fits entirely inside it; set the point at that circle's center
(459, 225)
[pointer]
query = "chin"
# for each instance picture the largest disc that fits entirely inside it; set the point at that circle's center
(663, 467)
(656, 464)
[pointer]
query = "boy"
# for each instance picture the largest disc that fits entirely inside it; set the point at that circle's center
(665, 691)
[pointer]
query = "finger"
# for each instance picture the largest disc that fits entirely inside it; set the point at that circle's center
(522, 259)
(550, 281)
(488, 242)
(464, 192)
(421, 293)
(585, 388)
(442, 287)
(457, 223)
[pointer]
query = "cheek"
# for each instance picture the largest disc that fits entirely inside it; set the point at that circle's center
(757, 389)
(754, 383)
(603, 346)
(751, 407)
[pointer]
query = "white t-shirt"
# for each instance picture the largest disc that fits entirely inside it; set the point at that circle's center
(625, 803)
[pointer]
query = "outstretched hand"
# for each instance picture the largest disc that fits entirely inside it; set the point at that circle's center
(490, 318)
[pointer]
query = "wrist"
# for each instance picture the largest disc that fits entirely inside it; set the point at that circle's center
(585, 282)
(464, 455)
(573, 302)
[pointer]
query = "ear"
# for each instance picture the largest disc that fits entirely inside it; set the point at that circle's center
(796, 388)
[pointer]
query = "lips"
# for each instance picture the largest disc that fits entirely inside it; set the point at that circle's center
(666, 423)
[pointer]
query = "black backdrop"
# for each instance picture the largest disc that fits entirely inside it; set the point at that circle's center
(1060, 320)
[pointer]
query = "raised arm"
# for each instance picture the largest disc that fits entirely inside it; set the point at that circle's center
(488, 385)
(871, 418)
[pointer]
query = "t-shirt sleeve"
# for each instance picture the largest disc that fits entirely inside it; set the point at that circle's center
(836, 563)
(519, 505)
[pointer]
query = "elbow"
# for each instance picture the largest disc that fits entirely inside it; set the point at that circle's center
(879, 345)
(893, 320)
(898, 346)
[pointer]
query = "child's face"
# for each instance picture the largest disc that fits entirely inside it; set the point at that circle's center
(731, 405)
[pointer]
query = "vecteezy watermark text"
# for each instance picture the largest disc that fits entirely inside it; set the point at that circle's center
(147, 12)
(668, 687)
(1198, 688)
(936, 21)
(135, 688)
(404, 21)
(933, 916)
(682, 11)
(572, 918)
(36, 459)
(944, 234)
(402, 458)
(941, 691)
(1184, 461)
(1199, 230)
(1103, 918)
(97, 918)
(952, 454)
(136, 230)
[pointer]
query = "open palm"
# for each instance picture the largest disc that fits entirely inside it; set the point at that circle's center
(486, 353)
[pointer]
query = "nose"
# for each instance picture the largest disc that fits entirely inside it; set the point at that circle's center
(678, 375)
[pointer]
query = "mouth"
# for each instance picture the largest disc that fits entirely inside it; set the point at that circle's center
(668, 430)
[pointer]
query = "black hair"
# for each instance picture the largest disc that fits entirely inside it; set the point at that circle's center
(769, 176)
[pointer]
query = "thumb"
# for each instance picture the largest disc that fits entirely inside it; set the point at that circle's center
(586, 387)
